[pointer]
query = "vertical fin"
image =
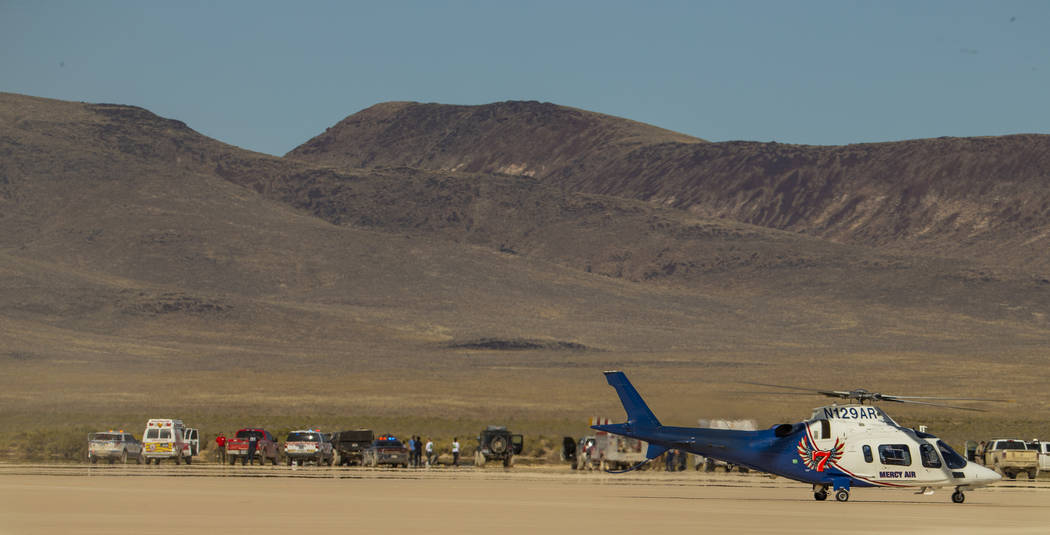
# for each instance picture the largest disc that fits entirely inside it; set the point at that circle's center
(638, 413)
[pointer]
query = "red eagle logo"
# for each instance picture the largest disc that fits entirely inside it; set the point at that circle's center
(818, 460)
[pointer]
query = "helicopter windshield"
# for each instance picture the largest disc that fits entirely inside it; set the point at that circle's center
(952, 459)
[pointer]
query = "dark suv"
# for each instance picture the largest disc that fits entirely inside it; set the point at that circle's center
(350, 446)
(497, 444)
(386, 449)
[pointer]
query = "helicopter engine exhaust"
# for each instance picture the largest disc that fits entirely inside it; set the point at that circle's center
(783, 430)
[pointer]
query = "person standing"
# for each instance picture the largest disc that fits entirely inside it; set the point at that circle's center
(253, 444)
(412, 451)
(220, 448)
(418, 453)
(430, 452)
(455, 451)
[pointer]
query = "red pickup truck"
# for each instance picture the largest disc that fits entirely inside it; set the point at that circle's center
(265, 447)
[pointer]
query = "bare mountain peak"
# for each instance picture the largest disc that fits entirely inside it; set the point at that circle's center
(526, 138)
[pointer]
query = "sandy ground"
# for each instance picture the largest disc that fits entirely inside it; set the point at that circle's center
(207, 499)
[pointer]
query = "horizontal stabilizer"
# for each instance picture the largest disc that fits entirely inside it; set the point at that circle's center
(654, 451)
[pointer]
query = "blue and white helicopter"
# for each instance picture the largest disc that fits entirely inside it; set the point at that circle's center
(839, 447)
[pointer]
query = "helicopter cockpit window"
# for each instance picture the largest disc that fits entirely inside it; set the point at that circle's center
(954, 460)
(929, 456)
(867, 454)
(895, 454)
(825, 429)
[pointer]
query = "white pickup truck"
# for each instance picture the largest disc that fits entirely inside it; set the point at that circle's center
(1043, 447)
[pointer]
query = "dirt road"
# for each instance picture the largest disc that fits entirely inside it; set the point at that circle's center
(211, 499)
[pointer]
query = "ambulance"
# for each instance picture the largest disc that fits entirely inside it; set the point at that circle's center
(165, 438)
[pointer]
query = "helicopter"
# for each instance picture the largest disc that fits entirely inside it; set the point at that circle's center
(838, 448)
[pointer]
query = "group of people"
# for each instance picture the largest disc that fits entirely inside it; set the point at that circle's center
(675, 460)
(416, 449)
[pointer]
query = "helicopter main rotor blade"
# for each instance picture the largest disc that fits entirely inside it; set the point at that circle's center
(864, 395)
(946, 406)
(829, 393)
(889, 396)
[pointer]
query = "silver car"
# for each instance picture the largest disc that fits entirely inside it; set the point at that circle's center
(114, 446)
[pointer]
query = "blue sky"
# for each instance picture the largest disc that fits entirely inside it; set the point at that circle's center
(268, 76)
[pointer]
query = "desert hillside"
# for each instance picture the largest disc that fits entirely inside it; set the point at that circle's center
(284, 292)
(984, 198)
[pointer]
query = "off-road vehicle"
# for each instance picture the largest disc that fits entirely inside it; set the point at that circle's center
(497, 444)
(350, 446)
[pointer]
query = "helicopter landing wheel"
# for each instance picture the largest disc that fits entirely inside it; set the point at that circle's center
(958, 497)
(842, 495)
(820, 495)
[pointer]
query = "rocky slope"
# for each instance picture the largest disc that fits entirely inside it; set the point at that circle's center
(981, 198)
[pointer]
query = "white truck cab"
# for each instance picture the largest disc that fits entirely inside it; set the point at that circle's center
(166, 438)
(1043, 447)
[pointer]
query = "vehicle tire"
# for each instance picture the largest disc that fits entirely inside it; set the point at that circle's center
(156, 461)
(124, 457)
(842, 495)
(820, 495)
(1011, 474)
(958, 497)
(1032, 474)
(498, 444)
(233, 460)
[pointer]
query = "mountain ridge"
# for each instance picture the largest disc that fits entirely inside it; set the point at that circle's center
(984, 197)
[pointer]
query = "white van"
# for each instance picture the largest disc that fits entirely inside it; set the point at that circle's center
(165, 438)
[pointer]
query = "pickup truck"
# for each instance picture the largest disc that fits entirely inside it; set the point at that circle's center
(266, 446)
(1009, 457)
(1043, 448)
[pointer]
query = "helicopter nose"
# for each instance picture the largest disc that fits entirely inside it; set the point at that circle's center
(985, 476)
